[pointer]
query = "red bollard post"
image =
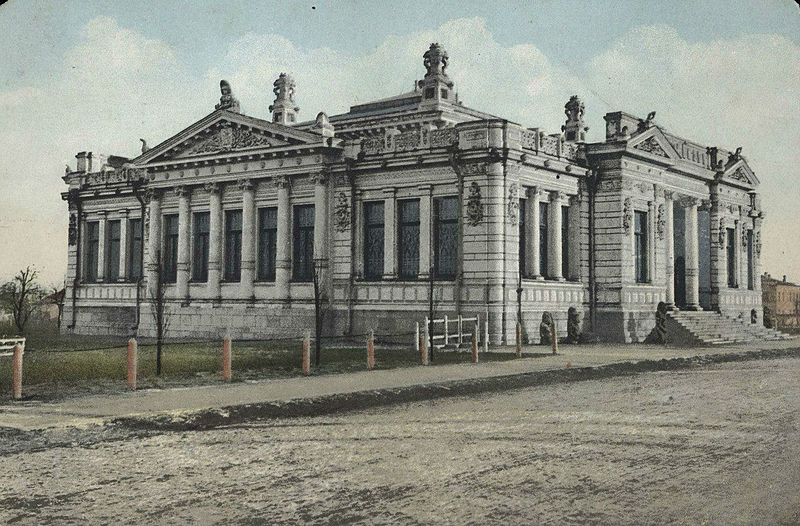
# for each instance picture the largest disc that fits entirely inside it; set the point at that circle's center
(17, 372)
(133, 349)
(475, 344)
(423, 347)
(519, 340)
(371, 351)
(226, 359)
(307, 354)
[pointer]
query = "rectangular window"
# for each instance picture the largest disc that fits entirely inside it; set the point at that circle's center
(170, 263)
(640, 240)
(543, 233)
(565, 241)
(446, 237)
(112, 252)
(408, 237)
(373, 240)
(135, 250)
(750, 276)
(200, 231)
(233, 245)
(267, 243)
(303, 247)
(92, 250)
(523, 261)
(730, 250)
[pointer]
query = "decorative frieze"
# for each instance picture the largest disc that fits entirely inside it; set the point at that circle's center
(651, 145)
(473, 169)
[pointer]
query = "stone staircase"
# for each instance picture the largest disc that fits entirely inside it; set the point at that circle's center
(712, 328)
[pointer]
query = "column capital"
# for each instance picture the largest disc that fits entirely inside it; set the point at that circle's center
(320, 177)
(212, 188)
(669, 195)
(575, 200)
(152, 194)
(282, 181)
(182, 191)
(704, 204)
(658, 191)
(557, 195)
(245, 185)
(687, 200)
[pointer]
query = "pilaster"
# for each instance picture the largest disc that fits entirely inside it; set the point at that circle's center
(214, 240)
(248, 265)
(182, 280)
(389, 236)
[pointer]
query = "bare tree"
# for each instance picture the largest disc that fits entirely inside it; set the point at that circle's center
(321, 306)
(21, 296)
(158, 302)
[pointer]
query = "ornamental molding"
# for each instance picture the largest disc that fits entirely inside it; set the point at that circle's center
(282, 181)
(651, 145)
(661, 222)
(73, 229)
(474, 205)
(320, 177)
(722, 230)
(245, 185)
(740, 175)
(341, 212)
(473, 169)
(212, 188)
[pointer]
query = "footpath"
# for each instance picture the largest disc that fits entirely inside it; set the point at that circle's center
(203, 407)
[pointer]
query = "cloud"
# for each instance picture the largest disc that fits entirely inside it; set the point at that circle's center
(116, 85)
(737, 92)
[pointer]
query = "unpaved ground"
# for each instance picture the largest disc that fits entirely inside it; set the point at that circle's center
(712, 445)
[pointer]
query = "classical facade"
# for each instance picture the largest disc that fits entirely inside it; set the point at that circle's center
(237, 217)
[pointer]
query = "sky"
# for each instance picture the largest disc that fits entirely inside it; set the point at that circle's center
(97, 76)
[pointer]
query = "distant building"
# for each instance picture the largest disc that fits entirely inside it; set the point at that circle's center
(781, 303)
(380, 201)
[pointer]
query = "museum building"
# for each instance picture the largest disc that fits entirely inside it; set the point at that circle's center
(236, 219)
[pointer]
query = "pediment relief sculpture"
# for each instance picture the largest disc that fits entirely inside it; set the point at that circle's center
(225, 138)
(651, 145)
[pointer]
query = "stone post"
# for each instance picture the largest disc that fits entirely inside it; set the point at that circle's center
(283, 260)
(154, 243)
(669, 235)
(692, 256)
(554, 241)
(389, 236)
(101, 247)
(532, 232)
(248, 265)
(182, 281)
(425, 231)
(214, 240)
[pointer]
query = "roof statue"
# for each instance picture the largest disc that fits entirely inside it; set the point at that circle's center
(284, 110)
(574, 129)
(227, 101)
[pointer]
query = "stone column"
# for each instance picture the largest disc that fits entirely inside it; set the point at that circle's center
(101, 247)
(692, 256)
(669, 235)
(321, 226)
(214, 240)
(554, 240)
(154, 243)
(425, 231)
(575, 237)
(248, 265)
(182, 280)
(283, 258)
(532, 233)
(389, 237)
(741, 253)
(123, 246)
(757, 252)
(651, 241)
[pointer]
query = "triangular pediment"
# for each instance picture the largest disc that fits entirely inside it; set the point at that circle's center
(653, 142)
(739, 173)
(224, 132)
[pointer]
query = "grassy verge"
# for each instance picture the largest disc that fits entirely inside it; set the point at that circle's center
(63, 369)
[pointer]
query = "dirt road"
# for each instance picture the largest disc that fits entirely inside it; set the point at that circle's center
(712, 445)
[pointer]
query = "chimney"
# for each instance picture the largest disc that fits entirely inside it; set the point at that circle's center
(81, 157)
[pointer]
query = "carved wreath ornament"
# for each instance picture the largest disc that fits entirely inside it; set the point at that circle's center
(342, 212)
(474, 205)
(627, 215)
(513, 205)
